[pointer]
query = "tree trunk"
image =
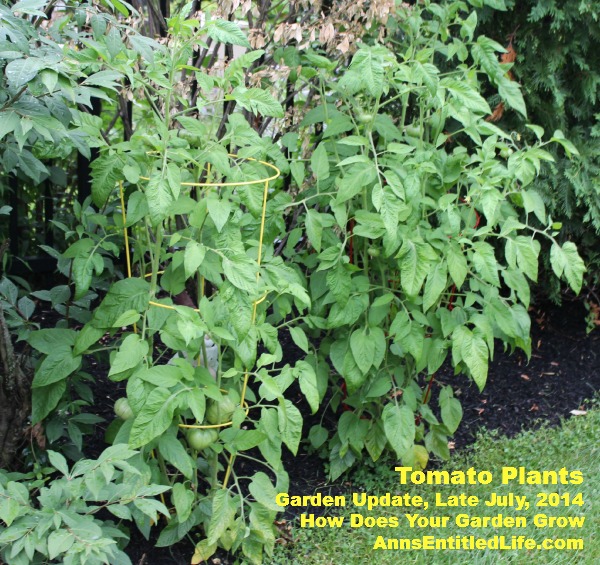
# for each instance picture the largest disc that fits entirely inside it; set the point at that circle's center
(15, 398)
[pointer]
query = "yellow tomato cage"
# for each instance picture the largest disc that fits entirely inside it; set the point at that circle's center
(265, 182)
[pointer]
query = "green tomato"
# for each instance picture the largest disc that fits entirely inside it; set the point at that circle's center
(364, 118)
(373, 252)
(220, 412)
(123, 410)
(199, 439)
(412, 131)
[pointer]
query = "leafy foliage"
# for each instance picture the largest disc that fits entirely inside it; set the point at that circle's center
(402, 231)
(561, 92)
(431, 247)
(38, 90)
(57, 519)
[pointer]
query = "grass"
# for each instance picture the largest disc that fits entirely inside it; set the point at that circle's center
(574, 445)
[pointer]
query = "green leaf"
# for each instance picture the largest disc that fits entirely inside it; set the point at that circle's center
(353, 376)
(319, 162)
(86, 338)
(467, 96)
(457, 263)
(183, 499)
(47, 340)
(495, 4)
(56, 367)
(297, 169)
(130, 355)
(527, 251)
(257, 101)
(127, 318)
(368, 64)
(263, 491)
(241, 272)
(219, 211)
(106, 78)
(485, 54)
(375, 440)
(428, 74)
(307, 379)
(317, 436)
(452, 413)
(399, 427)
(224, 31)
(8, 123)
(20, 71)
(363, 349)
(314, 228)
(171, 449)
(390, 210)
(501, 315)
(377, 337)
(150, 508)
(299, 338)
(59, 542)
(435, 285)
(537, 130)
(124, 295)
(106, 172)
(510, 92)
(566, 262)
(290, 424)
(159, 197)
(559, 137)
(414, 260)
(193, 125)
(532, 202)
(354, 180)
(197, 403)
(339, 282)
(484, 261)
(154, 418)
(193, 256)
(137, 208)
(58, 461)
(82, 271)
(145, 46)
(174, 179)
(223, 514)
(474, 352)
(517, 282)
(44, 399)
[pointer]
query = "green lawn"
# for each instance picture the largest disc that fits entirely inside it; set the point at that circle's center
(575, 446)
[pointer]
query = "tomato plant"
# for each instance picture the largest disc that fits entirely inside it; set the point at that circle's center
(423, 228)
(403, 231)
(204, 291)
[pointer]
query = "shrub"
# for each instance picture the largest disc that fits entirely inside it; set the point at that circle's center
(557, 48)
(50, 518)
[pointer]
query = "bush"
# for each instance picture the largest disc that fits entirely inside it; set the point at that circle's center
(50, 518)
(557, 48)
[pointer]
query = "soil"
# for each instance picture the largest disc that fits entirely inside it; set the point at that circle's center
(562, 374)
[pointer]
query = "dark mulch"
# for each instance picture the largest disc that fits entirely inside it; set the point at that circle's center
(562, 373)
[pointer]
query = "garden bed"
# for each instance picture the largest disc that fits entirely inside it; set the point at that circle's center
(561, 375)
